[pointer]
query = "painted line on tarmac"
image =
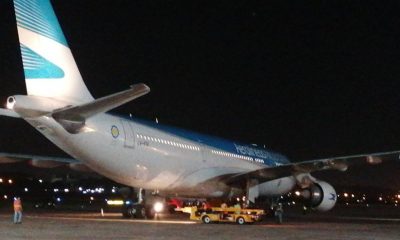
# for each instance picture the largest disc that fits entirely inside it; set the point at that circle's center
(115, 220)
(372, 219)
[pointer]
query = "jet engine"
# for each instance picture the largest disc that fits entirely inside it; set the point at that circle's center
(320, 196)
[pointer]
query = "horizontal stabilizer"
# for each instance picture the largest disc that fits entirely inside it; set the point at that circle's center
(8, 113)
(73, 118)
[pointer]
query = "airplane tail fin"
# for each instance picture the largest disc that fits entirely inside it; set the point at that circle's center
(49, 67)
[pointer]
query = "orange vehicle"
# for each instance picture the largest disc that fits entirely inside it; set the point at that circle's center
(230, 214)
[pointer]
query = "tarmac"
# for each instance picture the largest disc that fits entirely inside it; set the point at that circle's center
(91, 225)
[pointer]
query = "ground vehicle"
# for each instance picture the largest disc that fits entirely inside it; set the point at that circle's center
(230, 214)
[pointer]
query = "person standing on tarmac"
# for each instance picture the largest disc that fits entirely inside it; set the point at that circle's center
(279, 213)
(17, 210)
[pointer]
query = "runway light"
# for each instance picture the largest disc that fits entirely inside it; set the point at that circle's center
(115, 202)
(158, 207)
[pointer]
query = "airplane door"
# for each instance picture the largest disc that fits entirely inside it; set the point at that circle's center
(129, 134)
(204, 154)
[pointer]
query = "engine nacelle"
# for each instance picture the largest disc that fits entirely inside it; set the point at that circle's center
(321, 196)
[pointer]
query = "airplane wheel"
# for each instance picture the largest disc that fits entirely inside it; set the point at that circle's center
(240, 220)
(129, 212)
(126, 214)
(206, 219)
(149, 212)
(140, 212)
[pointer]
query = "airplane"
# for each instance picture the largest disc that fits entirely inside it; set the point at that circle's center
(143, 154)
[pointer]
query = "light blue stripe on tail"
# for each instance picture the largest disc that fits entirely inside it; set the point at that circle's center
(39, 17)
(49, 67)
(36, 66)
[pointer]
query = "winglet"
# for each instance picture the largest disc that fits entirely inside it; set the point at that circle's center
(73, 118)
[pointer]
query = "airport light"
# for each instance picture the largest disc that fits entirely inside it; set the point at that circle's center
(158, 207)
(115, 202)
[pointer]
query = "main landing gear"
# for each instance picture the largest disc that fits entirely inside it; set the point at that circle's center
(144, 205)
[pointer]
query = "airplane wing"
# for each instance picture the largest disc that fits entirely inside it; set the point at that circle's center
(293, 169)
(44, 161)
(8, 113)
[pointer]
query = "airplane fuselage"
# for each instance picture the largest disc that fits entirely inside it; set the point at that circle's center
(144, 154)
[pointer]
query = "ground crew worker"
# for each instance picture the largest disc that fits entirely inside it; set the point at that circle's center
(279, 213)
(224, 213)
(17, 210)
(238, 207)
(206, 207)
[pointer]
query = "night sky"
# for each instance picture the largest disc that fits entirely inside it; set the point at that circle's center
(309, 79)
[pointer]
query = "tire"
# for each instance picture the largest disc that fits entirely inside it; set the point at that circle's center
(150, 213)
(206, 219)
(140, 212)
(240, 221)
(128, 212)
(125, 214)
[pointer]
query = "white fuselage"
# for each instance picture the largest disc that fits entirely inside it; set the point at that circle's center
(141, 155)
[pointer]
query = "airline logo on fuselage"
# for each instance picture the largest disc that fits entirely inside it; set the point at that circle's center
(253, 152)
(114, 131)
